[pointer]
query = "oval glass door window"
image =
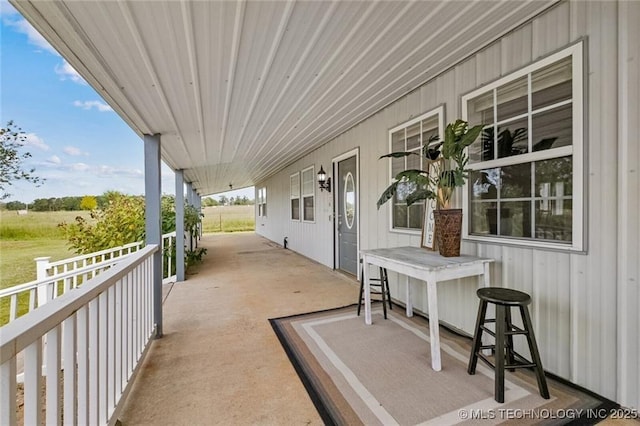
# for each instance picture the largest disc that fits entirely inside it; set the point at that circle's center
(349, 200)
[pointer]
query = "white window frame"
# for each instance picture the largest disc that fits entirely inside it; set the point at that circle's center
(294, 196)
(439, 112)
(262, 201)
(311, 194)
(576, 150)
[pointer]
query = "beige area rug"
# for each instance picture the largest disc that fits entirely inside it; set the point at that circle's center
(381, 375)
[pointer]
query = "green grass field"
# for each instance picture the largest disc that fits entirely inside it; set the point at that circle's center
(23, 238)
(229, 219)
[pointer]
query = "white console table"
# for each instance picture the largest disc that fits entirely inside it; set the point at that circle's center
(429, 267)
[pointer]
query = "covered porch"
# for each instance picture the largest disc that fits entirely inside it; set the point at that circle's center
(219, 360)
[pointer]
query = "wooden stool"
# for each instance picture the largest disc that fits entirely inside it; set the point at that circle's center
(505, 299)
(382, 286)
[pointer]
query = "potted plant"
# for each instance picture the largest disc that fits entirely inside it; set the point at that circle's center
(446, 161)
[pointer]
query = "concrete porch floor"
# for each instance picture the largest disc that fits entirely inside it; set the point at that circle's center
(219, 361)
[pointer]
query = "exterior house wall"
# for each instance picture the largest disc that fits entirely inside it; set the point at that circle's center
(585, 305)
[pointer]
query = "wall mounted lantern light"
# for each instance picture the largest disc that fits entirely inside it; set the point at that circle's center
(323, 180)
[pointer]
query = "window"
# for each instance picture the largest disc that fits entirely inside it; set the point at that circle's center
(411, 136)
(308, 194)
(262, 201)
(525, 181)
(295, 196)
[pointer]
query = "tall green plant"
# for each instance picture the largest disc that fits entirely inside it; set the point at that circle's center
(446, 161)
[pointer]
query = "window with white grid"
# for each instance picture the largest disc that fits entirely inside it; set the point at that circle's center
(525, 182)
(295, 196)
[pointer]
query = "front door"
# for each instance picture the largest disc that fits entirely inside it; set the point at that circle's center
(347, 216)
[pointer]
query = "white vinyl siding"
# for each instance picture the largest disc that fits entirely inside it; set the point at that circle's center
(584, 304)
(308, 194)
(525, 181)
(411, 137)
(294, 195)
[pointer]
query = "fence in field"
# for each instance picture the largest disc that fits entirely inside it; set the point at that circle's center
(56, 278)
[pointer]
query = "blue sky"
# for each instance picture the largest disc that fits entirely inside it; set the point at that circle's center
(75, 138)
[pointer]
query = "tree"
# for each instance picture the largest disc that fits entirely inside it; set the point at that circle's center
(209, 202)
(88, 202)
(12, 140)
(121, 222)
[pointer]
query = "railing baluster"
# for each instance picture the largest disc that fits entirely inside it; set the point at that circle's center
(111, 348)
(33, 383)
(53, 398)
(94, 354)
(82, 318)
(131, 321)
(69, 369)
(118, 339)
(8, 392)
(103, 324)
(33, 295)
(13, 307)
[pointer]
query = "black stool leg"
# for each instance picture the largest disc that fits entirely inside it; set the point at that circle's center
(477, 337)
(361, 289)
(509, 342)
(386, 284)
(499, 356)
(384, 294)
(533, 348)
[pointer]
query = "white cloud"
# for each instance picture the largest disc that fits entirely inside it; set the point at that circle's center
(73, 151)
(67, 72)
(100, 106)
(31, 139)
(6, 9)
(79, 167)
(22, 26)
(54, 159)
(109, 171)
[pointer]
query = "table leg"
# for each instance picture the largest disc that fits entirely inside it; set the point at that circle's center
(367, 291)
(434, 331)
(409, 304)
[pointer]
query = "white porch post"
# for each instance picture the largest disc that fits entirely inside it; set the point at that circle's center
(179, 226)
(153, 222)
(189, 193)
(42, 264)
(199, 207)
(190, 202)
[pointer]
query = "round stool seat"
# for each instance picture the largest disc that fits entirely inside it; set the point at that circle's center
(504, 296)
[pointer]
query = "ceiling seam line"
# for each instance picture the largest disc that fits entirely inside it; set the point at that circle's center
(187, 21)
(362, 55)
(314, 40)
(151, 70)
(366, 101)
(326, 66)
(275, 47)
(237, 39)
(376, 108)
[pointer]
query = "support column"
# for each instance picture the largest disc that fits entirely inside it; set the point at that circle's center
(153, 222)
(189, 193)
(180, 269)
(199, 203)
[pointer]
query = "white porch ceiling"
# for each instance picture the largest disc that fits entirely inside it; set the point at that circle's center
(240, 89)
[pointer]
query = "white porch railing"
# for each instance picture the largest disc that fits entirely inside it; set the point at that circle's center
(56, 278)
(96, 336)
